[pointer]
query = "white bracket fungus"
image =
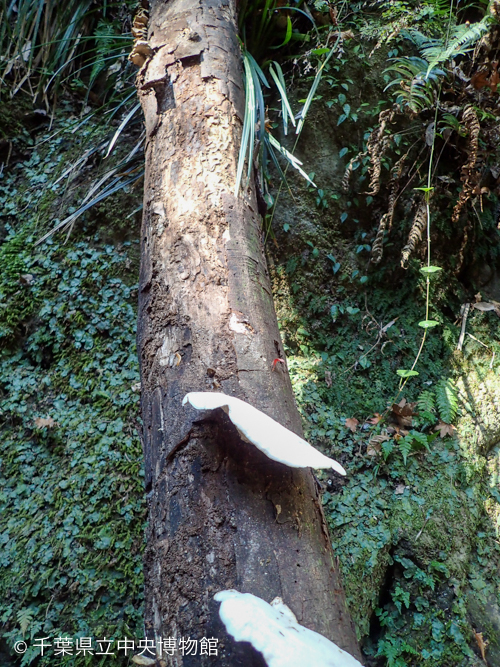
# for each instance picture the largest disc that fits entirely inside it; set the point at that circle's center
(276, 441)
(272, 629)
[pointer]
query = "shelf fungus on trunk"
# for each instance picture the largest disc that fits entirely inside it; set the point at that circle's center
(273, 630)
(273, 439)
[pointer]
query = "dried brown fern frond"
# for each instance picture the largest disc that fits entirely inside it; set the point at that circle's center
(415, 235)
(469, 175)
(376, 146)
(349, 169)
(387, 218)
(377, 247)
(461, 252)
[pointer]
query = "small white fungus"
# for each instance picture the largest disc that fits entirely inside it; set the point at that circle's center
(272, 629)
(276, 441)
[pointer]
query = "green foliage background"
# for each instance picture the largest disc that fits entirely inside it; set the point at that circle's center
(416, 525)
(72, 505)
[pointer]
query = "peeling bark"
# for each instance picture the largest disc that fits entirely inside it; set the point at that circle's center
(221, 514)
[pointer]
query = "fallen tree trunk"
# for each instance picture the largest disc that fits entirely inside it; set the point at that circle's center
(221, 514)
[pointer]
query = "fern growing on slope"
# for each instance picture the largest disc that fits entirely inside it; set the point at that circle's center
(417, 87)
(417, 78)
(447, 400)
(462, 39)
(426, 404)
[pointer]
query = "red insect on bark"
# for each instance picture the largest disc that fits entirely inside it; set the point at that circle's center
(277, 361)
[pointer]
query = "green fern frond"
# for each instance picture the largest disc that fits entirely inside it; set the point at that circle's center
(104, 36)
(393, 649)
(24, 618)
(405, 446)
(447, 400)
(426, 402)
(418, 38)
(416, 90)
(387, 448)
(463, 39)
(419, 440)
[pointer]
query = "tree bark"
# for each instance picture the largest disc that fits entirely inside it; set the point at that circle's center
(221, 514)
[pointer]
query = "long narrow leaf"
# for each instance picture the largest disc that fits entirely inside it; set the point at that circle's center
(246, 148)
(71, 218)
(294, 162)
(314, 88)
(288, 34)
(274, 159)
(256, 67)
(279, 80)
(121, 127)
(259, 97)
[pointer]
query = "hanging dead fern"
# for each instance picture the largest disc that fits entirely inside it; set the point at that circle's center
(469, 175)
(346, 178)
(415, 235)
(461, 252)
(387, 218)
(377, 247)
(376, 147)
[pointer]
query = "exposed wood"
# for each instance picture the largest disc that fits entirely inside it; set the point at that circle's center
(222, 515)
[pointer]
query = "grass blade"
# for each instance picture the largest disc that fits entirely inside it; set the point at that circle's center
(294, 162)
(314, 88)
(121, 127)
(279, 80)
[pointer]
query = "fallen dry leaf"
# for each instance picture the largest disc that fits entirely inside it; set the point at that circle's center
(400, 489)
(403, 412)
(482, 644)
(403, 408)
(328, 378)
(375, 419)
(479, 79)
(352, 423)
(383, 437)
(143, 660)
(373, 449)
(44, 422)
(26, 279)
(444, 429)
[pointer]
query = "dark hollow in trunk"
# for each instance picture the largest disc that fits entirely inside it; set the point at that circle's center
(221, 514)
